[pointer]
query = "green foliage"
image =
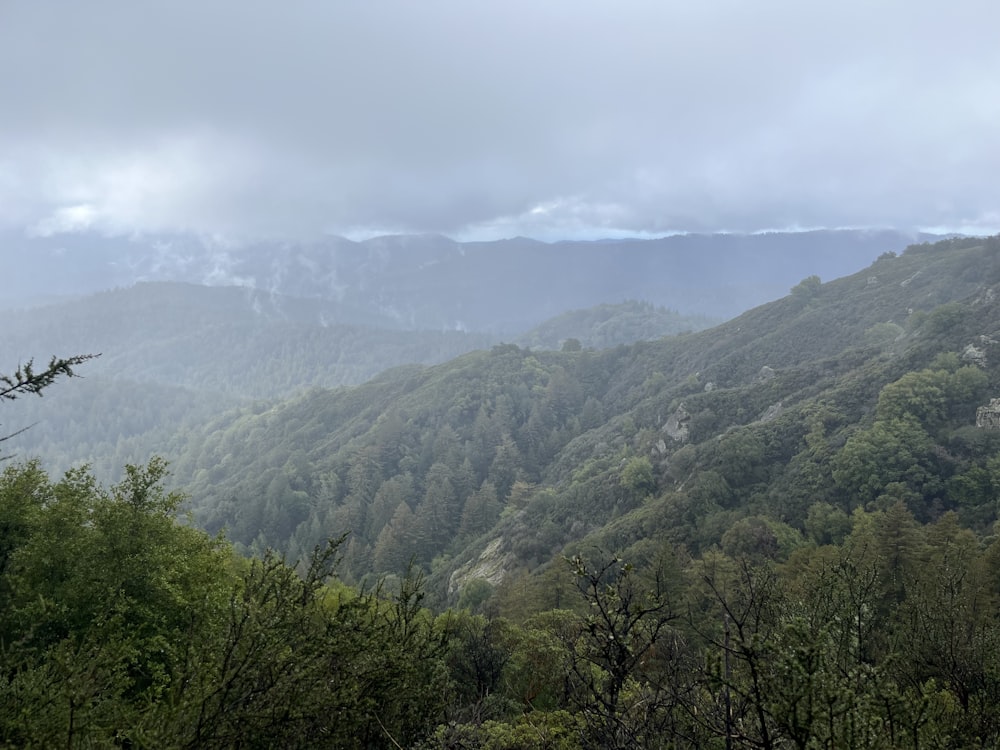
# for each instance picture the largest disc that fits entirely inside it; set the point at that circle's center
(608, 326)
(637, 476)
(553, 730)
(826, 524)
(541, 449)
(760, 538)
(100, 596)
(808, 287)
(623, 655)
(933, 396)
(814, 564)
(894, 451)
(883, 334)
(121, 625)
(944, 320)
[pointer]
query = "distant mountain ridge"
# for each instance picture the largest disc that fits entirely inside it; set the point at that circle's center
(432, 282)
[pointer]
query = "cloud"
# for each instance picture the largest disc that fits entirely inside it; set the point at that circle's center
(560, 118)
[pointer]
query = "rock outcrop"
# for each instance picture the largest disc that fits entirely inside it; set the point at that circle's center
(677, 424)
(988, 417)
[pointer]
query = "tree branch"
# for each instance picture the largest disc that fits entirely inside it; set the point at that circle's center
(26, 381)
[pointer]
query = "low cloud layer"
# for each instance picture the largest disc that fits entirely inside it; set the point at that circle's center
(549, 119)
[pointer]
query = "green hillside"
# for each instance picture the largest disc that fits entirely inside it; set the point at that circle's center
(777, 533)
(176, 354)
(230, 340)
(500, 461)
(606, 326)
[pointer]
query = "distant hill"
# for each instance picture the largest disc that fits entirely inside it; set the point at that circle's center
(234, 340)
(431, 282)
(605, 326)
(172, 353)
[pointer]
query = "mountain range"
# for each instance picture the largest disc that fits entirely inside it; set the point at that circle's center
(431, 282)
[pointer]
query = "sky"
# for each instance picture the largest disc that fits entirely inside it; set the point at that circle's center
(554, 119)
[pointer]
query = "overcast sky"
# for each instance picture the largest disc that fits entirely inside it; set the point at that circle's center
(489, 118)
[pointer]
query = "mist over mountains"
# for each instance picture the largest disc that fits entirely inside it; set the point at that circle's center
(432, 282)
(500, 376)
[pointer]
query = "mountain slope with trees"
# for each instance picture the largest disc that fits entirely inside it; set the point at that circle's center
(485, 468)
(229, 340)
(606, 326)
(174, 354)
(123, 627)
(779, 533)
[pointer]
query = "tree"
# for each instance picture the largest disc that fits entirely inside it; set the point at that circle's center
(26, 380)
(481, 511)
(891, 451)
(735, 614)
(101, 589)
(637, 477)
(625, 655)
(397, 543)
(122, 627)
(807, 288)
(476, 659)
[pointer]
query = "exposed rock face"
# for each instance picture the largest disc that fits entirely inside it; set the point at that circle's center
(765, 374)
(975, 355)
(677, 423)
(492, 566)
(988, 417)
(773, 412)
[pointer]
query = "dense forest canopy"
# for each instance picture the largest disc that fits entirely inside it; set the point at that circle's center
(807, 400)
(777, 533)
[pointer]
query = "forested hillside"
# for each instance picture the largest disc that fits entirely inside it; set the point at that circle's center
(606, 326)
(775, 533)
(122, 627)
(849, 394)
(466, 375)
(176, 354)
(229, 340)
